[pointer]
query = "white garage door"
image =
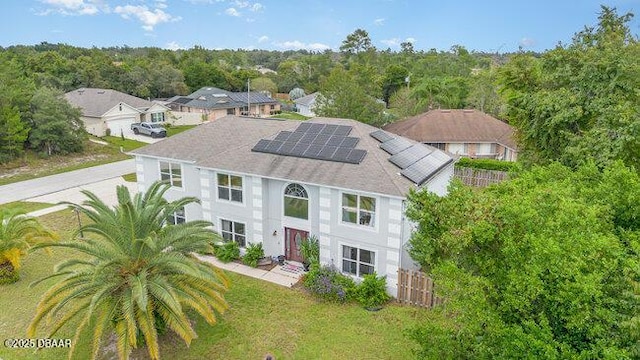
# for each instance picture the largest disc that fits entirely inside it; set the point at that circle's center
(121, 124)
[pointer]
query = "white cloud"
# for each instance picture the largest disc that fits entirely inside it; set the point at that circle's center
(232, 12)
(242, 4)
(298, 45)
(395, 42)
(257, 7)
(161, 4)
(378, 22)
(391, 42)
(172, 45)
(527, 42)
(263, 38)
(148, 17)
(74, 7)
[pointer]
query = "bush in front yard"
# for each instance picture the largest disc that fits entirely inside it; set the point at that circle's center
(372, 292)
(253, 255)
(228, 252)
(328, 283)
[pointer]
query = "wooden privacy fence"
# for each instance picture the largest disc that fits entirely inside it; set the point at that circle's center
(479, 177)
(416, 288)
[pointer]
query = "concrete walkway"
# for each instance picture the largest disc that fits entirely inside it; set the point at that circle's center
(276, 275)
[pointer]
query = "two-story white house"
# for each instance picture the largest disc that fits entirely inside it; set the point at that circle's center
(275, 182)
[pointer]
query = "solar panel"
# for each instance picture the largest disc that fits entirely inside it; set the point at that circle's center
(381, 136)
(261, 146)
(287, 148)
(335, 140)
(394, 146)
(329, 129)
(342, 130)
(274, 146)
(299, 149)
(303, 127)
(315, 128)
(349, 142)
(356, 156)
(321, 139)
(312, 151)
(341, 154)
(426, 167)
(327, 152)
(315, 141)
(410, 155)
(283, 135)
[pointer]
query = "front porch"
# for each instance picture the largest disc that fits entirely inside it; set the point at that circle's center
(278, 275)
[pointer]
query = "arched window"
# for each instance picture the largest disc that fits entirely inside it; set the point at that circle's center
(296, 202)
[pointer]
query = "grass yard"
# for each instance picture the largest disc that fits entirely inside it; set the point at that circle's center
(132, 177)
(177, 129)
(263, 318)
(290, 116)
(31, 166)
(26, 206)
(127, 144)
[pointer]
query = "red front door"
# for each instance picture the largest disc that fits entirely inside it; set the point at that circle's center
(292, 240)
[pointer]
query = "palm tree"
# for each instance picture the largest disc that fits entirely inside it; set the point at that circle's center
(138, 274)
(18, 233)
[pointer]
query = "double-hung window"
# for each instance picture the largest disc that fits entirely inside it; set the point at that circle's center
(177, 217)
(358, 262)
(171, 173)
(357, 209)
(230, 187)
(234, 231)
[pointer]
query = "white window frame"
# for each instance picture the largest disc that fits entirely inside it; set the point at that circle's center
(170, 174)
(233, 232)
(357, 261)
(230, 188)
(285, 195)
(160, 114)
(373, 223)
(174, 219)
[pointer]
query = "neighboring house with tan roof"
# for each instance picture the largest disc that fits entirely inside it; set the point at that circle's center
(470, 133)
(275, 182)
(104, 109)
(210, 103)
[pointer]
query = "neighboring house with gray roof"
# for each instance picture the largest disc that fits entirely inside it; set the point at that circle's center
(306, 104)
(210, 103)
(275, 182)
(104, 109)
(467, 132)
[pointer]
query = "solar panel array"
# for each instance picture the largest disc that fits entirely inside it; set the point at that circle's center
(315, 141)
(418, 162)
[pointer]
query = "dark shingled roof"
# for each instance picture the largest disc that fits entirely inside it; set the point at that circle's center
(446, 126)
(214, 98)
(226, 144)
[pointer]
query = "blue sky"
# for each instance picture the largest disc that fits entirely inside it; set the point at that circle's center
(490, 25)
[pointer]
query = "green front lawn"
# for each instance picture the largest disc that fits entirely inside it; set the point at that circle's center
(290, 116)
(263, 318)
(25, 206)
(177, 129)
(127, 144)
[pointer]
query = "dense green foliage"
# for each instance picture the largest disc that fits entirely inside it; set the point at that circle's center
(134, 275)
(310, 250)
(580, 102)
(488, 164)
(329, 284)
(56, 127)
(372, 291)
(228, 252)
(18, 233)
(546, 264)
(254, 253)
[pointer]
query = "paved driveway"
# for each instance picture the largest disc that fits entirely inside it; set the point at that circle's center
(55, 183)
(142, 138)
(105, 190)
